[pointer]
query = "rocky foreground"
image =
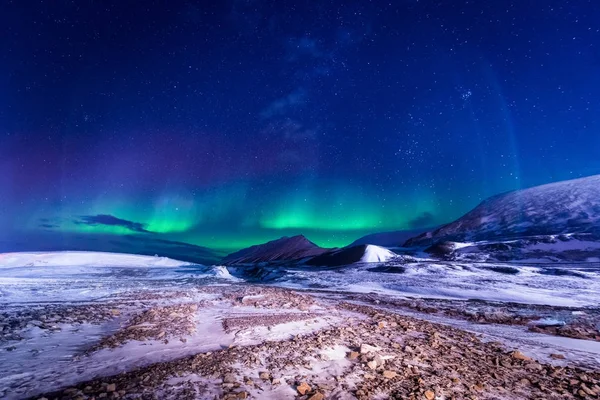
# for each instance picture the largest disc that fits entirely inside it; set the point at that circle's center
(279, 343)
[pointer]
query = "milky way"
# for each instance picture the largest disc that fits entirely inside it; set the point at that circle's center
(231, 124)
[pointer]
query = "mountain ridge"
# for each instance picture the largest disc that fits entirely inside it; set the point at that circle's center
(562, 207)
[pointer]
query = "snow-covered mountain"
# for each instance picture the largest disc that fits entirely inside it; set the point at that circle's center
(387, 239)
(364, 253)
(557, 208)
(284, 249)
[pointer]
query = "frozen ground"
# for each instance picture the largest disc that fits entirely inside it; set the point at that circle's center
(24, 276)
(562, 285)
(71, 317)
(85, 276)
(584, 353)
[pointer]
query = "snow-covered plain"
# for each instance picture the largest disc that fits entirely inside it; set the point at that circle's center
(541, 284)
(82, 276)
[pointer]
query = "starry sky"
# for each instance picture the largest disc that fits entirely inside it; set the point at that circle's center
(230, 123)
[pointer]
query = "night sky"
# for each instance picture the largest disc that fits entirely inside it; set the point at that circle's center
(225, 124)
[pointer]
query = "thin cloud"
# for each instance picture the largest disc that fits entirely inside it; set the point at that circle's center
(111, 220)
(302, 47)
(48, 226)
(424, 220)
(281, 106)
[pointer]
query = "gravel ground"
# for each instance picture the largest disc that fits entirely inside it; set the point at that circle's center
(367, 352)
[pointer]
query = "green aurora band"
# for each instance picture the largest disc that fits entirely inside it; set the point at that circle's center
(236, 216)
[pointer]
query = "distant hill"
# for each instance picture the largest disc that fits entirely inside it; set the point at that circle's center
(142, 244)
(284, 249)
(85, 258)
(571, 206)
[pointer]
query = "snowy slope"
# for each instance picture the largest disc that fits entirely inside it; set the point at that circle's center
(84, 258)
(376, 254)
(533, 249)
(351, 255)
(563, 207)
(283, 249)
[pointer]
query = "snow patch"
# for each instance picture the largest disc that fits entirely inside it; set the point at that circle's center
(222, 272)
(376, 254)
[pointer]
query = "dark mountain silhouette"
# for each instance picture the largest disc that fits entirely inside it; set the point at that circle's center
(284, 249)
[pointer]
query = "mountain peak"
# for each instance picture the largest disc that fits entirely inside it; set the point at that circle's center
(299, 239)
(285, 248)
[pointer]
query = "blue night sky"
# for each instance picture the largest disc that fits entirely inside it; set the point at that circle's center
(225, 124)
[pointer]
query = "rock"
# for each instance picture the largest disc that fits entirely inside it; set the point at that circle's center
(587, 390)
(303, 388)
(557, 356)
(533, 366)
(520, 356)
(111, 388)
(242, 395)
(229, 378)
(317, 396)
(265, 376)
(429, 395)
(367, 348)
(389, 374)
(353, 355)
(161, 334)
(372, 364)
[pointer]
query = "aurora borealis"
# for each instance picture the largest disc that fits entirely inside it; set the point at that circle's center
(226, 124)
